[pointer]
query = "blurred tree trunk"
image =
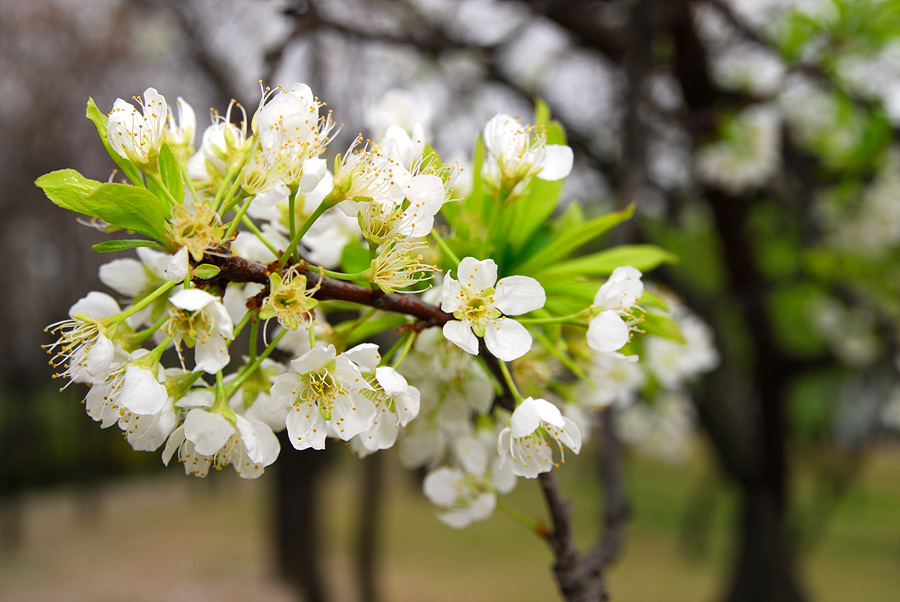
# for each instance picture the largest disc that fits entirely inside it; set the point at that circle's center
(751, 439)
(369, 514)
(296, 520)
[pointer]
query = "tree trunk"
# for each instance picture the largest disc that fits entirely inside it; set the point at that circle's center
(296, 519)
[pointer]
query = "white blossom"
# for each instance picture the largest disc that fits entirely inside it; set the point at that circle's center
(84, 349)
(200, 320)
(209, 439)
(323, 392)
(608, 331)
(517, 152)
(138, 136)
(480, 309)
(468, 492)
(396, 404)
(292, 134)
(525, 443)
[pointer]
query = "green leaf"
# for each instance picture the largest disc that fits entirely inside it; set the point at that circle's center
(541, 113)
(68, 189)
(602, 263)
(170, 174)
(101, 121)
(205, 271)
(662, 326)
(467, 216)
(131, 208)
(111, 246)
(566, 242)
(651, 299)
(532, 210)
(354, 258)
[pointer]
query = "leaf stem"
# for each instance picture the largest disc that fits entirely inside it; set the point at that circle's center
(504, 369)
(325, 205)
(251, 367)
(520, 517)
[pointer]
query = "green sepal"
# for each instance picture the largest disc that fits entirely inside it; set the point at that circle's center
(110, 246)
(602, 263)
(205, 271)
(101, 121)
(131, 208)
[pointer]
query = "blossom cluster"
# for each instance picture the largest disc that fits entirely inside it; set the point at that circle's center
(250, 231)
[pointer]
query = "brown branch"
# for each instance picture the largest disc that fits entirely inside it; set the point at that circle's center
(579, 577)
(238, 269)
(617, 508)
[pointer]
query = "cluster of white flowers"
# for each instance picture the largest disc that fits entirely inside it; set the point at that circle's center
(746, 156)
(651, 395)
(258, 192)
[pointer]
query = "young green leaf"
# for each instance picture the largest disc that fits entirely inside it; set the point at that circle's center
(131, 208)
(205, 271)
(170, 174)
(565, 243)
(662, 326)
(68, 189)
(111, 246)
(602, 263)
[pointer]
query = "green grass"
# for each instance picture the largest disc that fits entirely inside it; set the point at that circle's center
(177, 538)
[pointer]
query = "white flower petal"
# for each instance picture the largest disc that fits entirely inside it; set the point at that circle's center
(141, 392)
(450, 295)
(442, 486)
(622, 290)
(174, 442)
(313, 172)
(95, 305)
(476, 275)
(506, 339)
(208, 431)
(176, 267)
(526, 418)
(306, 427)
(365, 356)
(557, 163)
(248, 438)
(391, 381)
(314, 359)
(125, 276)
(351, 415)
(191, 299)
(519, 295)
(472, 455)
(212, 354)
(460, 334)
(99, 357)
(607, 332)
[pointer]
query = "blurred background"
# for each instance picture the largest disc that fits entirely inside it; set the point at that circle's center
(758, 142)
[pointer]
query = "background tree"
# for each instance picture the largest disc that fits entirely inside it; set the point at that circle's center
(754, 138)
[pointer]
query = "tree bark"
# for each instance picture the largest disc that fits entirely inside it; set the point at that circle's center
(296, 520)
